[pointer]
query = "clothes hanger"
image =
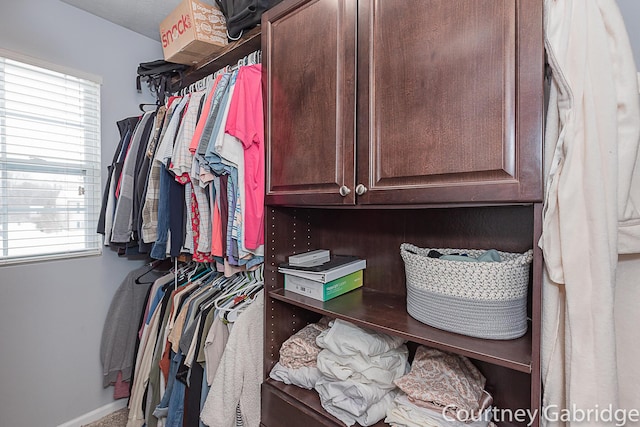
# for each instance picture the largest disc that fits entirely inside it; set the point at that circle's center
(214, 291)
(192, 272)
(249, 294)
(161, 265)
(142, 107)
(232, 315)
(201, 85)
(137, 279)
(249, 286)
(254, 57)
(204, 275)
(208, 82)
(236, 284)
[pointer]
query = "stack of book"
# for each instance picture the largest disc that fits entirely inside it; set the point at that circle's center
(321, 276)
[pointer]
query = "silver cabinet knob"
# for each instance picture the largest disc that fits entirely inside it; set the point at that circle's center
(361, 189)
(344, 190)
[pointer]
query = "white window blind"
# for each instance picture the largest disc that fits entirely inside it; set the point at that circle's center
(49, 163)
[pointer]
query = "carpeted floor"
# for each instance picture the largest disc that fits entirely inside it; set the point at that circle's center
(117, 419)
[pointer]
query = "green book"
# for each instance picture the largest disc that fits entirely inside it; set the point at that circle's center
(323, 291)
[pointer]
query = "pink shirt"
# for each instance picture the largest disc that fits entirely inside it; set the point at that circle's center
(245, 122)
(204, 114)
(216, 234)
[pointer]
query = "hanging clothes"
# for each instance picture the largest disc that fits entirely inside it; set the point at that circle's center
(118, 342)
(184, 191)
(169, 191)
(150, 205)
(122, 231)
(181, 333)
(141, 182)
(245, 123)
(124, 134)
(105, 221)
(200, 159)
(239, 375)
(591, 210)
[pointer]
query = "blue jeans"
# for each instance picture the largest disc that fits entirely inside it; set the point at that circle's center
(176, 405)
(204, 394)
(163, 407)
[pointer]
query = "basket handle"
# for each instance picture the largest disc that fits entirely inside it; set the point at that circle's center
(526, 257)
(408, 247)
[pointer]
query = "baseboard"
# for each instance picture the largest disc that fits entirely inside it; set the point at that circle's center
(96, 414)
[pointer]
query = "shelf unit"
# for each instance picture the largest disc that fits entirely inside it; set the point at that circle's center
(511, 367)
(447, 156)
(365, 307)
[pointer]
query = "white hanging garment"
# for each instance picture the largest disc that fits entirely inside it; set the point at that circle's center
(592, 199)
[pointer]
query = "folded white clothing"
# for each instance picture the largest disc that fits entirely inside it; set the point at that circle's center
(305, 377)
(381, 369)
(378, 410)
(346, 339)
(404, 413)
(372, 415)
(351, 396)
(399, 416)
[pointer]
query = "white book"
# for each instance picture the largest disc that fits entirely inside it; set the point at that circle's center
(327, 275)
(310, 259)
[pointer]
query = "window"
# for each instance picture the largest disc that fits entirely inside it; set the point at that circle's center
(49, 162)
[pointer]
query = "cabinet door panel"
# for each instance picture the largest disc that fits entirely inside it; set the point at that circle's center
(310, 91)
(437, 102)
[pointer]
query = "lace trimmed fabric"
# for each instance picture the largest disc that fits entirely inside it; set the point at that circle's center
(438, 379)
(300, 349)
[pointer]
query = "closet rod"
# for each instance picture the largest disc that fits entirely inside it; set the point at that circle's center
(254, 57)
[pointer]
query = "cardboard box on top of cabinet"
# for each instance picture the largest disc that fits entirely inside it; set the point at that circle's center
(192, 32)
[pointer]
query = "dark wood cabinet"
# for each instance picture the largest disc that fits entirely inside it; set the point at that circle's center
(403, 102)
(309, 60)
(387, 122)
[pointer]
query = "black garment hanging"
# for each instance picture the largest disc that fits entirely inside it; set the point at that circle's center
(125, 127)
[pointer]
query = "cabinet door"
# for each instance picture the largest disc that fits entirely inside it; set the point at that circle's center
(450, 101)
(309, 65)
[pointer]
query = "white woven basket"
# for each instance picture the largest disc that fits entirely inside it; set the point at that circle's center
(478, 299)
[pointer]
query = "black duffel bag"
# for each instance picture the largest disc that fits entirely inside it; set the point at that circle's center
(161, 76)
(243, 14)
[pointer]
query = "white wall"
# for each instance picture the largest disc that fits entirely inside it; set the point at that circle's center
(630, 10)
(52, 313)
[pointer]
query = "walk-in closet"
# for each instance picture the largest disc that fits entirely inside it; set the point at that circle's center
(319, 213)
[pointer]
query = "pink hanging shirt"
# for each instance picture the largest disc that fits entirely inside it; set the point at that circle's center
(246, 123)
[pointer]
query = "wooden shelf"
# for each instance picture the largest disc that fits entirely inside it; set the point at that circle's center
(387, 313)
(250, 42)
(307, 403)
